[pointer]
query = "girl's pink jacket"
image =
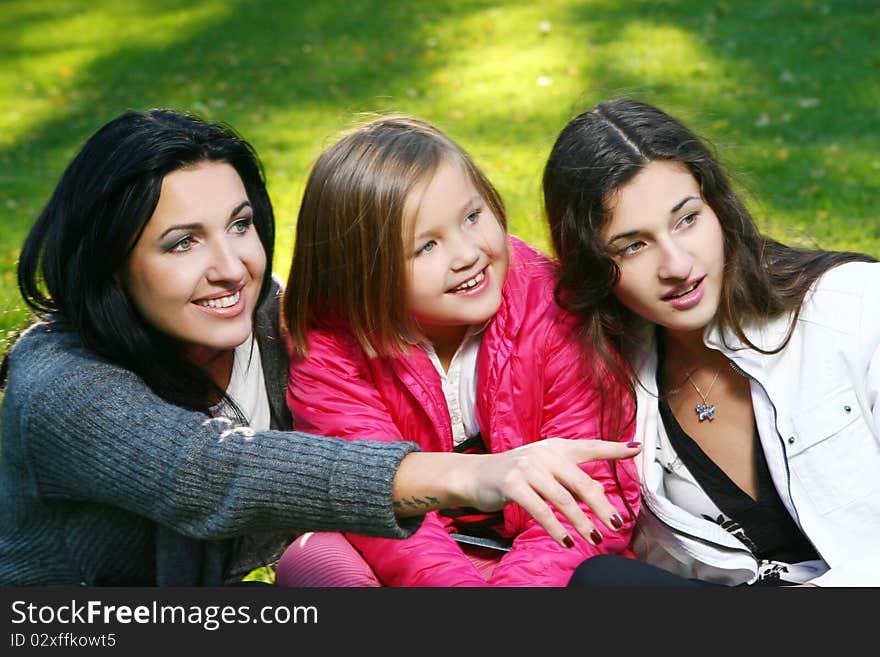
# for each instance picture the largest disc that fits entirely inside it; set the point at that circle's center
(533, 383)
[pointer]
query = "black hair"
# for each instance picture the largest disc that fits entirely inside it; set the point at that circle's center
(70, 259)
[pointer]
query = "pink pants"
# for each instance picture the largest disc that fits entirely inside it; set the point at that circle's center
(327, 559)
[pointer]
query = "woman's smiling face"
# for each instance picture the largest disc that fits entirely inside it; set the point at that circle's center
(196, 271)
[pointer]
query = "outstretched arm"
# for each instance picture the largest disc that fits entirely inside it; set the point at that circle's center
(83, 430)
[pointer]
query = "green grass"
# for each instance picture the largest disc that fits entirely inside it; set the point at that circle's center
(787, 91)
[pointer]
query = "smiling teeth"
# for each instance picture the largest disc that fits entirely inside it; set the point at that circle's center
(222, 302)
(476, 280)
(683, 292)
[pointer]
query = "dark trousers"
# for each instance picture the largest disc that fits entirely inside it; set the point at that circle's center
(611, 570)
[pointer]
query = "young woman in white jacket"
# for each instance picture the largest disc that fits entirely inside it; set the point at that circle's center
(755, 365)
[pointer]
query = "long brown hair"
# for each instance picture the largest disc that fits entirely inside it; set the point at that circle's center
(349, 260)
(596, 154)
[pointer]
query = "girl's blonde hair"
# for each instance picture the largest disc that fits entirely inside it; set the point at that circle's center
(349, 260)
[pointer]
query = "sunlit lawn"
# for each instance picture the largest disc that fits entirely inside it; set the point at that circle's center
(788, 91)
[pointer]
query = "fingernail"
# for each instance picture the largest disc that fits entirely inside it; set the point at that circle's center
(596, 537)
(616, 521)
(568, 541)
(633, 444)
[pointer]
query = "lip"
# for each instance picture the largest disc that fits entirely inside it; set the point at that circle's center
(476, 289)
(230, 311)
(690, 299)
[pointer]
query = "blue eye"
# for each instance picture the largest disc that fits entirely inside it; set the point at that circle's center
(473, 217)
(426, 248)
(629, 249)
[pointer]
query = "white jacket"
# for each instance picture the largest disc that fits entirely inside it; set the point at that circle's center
(818, 416)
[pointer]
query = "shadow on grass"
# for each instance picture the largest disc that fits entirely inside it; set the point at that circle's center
(250, 64)
(788, 92)
(792, 84)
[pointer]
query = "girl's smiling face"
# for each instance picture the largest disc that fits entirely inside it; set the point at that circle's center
(669, 247)
(457, 259)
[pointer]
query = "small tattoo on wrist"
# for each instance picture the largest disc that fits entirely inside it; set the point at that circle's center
(416, 501)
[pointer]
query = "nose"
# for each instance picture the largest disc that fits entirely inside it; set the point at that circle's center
(226, 265)
(676, 262)
(464, 252)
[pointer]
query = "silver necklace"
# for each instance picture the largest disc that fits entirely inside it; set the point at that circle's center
(705, 411)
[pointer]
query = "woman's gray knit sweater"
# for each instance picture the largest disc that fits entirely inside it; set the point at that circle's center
(104, 483)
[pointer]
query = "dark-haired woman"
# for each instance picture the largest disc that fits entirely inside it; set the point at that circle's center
(755, 365)
(142, 413)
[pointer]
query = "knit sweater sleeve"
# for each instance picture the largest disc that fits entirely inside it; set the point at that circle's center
(89, 431)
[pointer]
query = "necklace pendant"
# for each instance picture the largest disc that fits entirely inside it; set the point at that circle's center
(705, 412)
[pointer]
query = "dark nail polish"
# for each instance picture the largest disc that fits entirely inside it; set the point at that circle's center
(568, 541)
(633, 444)
(616, 521)
(596, 536)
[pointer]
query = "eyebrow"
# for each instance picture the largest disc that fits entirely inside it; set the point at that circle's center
(675, 208)
(476, 198)
(471, 201)
(678, 206)
(195, 226)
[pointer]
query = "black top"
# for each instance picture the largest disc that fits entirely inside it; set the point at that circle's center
(764, 526)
